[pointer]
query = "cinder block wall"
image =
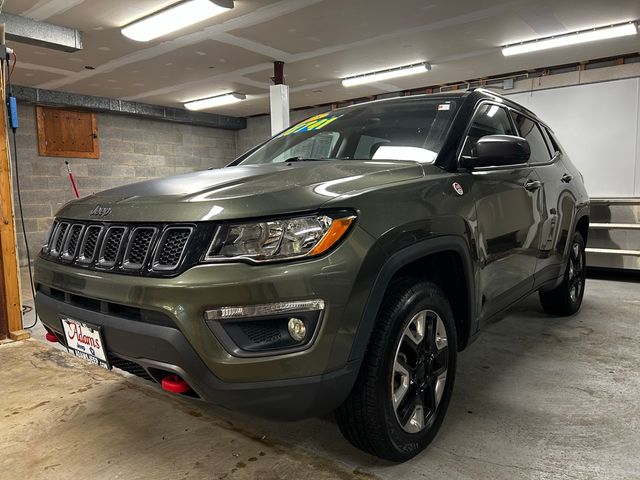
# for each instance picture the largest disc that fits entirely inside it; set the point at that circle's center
(131, 149)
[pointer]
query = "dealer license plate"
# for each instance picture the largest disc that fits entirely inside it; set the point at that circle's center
(85, 341)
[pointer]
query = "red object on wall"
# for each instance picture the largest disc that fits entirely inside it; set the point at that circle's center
(73, 180)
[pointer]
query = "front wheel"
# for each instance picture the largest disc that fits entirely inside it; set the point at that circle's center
(566, 298)
(403, 390)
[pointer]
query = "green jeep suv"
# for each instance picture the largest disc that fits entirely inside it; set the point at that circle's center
(340, 266)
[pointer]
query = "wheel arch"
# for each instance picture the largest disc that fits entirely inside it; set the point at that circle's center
(450, 256)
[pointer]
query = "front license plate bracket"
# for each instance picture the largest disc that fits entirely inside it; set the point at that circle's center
(85, 341)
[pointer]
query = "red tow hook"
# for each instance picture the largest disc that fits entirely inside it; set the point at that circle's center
(175, 384)
(52, 337)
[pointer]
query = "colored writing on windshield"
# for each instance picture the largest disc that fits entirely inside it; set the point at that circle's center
(317, 122)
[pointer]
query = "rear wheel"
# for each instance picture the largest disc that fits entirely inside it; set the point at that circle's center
(566, 298)
(403, 390)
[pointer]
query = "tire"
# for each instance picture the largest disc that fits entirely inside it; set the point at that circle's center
(566, 298)
(404, 366)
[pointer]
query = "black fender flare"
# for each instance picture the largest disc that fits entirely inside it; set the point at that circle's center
(393, 264)
(581, 212)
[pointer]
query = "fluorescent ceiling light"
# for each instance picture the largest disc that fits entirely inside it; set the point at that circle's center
(217, 101)
(175, 17)
(386, 74)
(574, 38)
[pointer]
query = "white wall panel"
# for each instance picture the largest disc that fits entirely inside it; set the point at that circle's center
(598, 126)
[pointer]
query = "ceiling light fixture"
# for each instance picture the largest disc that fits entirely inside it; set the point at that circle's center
(386, 74)
(573, 38)
(174, 17)
(217, 101)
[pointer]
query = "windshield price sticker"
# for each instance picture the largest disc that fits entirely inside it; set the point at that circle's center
(312, 124)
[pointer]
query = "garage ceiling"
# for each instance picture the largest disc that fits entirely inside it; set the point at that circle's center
(321, 41)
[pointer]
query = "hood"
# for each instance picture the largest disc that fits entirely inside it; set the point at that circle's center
(241, 192)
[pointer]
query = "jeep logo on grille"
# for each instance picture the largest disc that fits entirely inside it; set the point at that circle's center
(100, 211)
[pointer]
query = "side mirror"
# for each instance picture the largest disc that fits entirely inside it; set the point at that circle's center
(498, 151)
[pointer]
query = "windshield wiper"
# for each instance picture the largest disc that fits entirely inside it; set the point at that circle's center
(304, 159)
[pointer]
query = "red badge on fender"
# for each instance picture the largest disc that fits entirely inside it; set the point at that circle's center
(458, 188)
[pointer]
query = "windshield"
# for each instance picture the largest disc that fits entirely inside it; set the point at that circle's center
(402, 130)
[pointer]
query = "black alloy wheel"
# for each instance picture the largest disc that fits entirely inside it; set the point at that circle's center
(420, 371)
(406, 378)
(566, 298)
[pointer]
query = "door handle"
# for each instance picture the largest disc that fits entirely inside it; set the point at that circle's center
(532, 185)
(566, 178)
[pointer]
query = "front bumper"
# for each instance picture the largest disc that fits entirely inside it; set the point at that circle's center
(153, 351)
(291, 385)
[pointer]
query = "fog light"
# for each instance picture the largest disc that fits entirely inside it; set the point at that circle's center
(297, 329)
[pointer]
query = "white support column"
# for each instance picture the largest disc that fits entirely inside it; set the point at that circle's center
(279, 97)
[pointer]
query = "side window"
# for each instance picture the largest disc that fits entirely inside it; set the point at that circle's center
(488, 120)
(531, 131)
(317, 146)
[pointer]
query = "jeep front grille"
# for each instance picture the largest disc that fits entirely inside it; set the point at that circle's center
(172, 245)
(111, 246)
(58, 238)
(72, 244)
(121, 248)
(139, 247)
(89, 244)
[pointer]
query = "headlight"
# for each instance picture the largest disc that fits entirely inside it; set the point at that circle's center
(279, 239)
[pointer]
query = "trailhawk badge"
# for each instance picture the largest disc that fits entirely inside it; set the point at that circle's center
(458, 188)
(100, 211)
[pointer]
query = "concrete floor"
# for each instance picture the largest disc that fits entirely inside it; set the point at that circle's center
(536, 397)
